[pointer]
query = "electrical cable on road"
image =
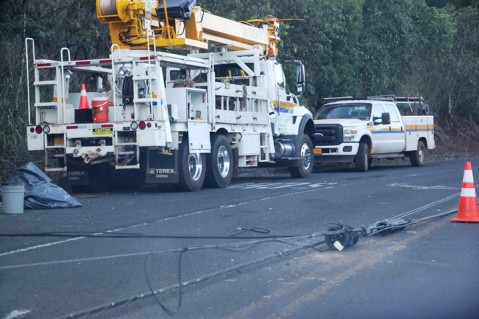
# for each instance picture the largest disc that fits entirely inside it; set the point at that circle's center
(336, 237)
(342, 236)
(259, 230)
(228, 247)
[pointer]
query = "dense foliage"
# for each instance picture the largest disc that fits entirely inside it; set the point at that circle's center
(371, 47)
(349, 47)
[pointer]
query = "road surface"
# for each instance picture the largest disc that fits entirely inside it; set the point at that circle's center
(253, 250)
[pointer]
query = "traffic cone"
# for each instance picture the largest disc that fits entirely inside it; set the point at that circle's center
(468, 210)
(84, 105)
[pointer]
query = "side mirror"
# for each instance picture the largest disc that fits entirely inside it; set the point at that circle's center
(385, 118)
(300, 78)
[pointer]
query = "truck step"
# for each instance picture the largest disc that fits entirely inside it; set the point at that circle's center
(46, 104)
(126, 153)
(142, 77)
(52, 82)
(59, 155)
(137, 166)
(386, 156)
(60, 147)
(144, 100)
(126, 144)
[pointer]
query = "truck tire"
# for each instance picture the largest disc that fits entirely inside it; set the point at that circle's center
(304, 166)
(191, 169)
(219, 163)
(361, 161)
(417, 158)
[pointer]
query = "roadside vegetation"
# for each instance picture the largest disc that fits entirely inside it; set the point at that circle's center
(349, 47)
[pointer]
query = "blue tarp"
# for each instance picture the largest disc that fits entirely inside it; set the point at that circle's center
(40, 192)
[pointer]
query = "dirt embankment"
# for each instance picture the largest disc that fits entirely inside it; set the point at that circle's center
(456, 141)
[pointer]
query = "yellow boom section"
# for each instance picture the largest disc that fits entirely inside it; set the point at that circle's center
(136, 24)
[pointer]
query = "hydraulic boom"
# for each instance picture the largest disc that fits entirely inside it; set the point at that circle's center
(137, 24)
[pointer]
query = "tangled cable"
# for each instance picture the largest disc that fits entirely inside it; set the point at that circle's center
(337, 237)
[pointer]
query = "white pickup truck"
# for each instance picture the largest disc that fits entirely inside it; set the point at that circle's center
(360, 130)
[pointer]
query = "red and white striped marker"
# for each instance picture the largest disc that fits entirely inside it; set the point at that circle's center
(468, 210)
(84, 105)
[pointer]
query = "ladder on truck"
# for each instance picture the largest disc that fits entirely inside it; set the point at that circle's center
(127, 148)
(48, 84)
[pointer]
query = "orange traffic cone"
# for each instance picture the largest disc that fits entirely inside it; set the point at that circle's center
(83, 98)
(468, 210)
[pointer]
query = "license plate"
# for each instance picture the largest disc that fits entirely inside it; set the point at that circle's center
(103, 131)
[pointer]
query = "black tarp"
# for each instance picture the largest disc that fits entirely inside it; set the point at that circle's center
(40, 192)
(177, 9)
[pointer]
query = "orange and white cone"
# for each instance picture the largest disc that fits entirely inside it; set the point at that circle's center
(468, 210)
(84, 105)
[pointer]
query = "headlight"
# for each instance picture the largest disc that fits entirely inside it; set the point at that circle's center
(350, 131)
(349, 134)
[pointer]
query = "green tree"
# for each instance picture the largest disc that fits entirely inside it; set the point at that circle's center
(327, 43)
(239, 10)
(53, 25)
(447, 63)
(387, 43)
(432, 56)
(349, 47)
(464, 78)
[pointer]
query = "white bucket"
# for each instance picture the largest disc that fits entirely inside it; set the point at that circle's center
(13, 196)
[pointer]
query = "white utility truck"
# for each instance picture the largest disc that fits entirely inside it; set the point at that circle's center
(188, 119)
(360, 130)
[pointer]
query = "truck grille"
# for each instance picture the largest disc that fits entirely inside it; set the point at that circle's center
(328, 134)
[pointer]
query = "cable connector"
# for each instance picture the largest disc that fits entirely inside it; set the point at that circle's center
(387, 226)
(341, 236)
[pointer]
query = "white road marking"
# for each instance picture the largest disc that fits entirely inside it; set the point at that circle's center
(304, 187)
(422, 188)
(296, 185)
(17, 314)
(39, 246)
(163, 220)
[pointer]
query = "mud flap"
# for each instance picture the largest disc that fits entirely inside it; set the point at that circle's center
(76, 175)
(162, 167)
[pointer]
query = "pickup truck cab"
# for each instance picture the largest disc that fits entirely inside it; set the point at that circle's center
(360, 130)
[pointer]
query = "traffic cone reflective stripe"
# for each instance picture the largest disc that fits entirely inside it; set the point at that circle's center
(468, 179)
(83, 98)
(468, 210)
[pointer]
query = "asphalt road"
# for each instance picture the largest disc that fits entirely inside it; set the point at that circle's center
(246, 251)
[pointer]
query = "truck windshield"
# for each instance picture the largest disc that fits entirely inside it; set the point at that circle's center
(360, 111)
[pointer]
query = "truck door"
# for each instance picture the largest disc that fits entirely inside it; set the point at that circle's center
(380, 132)
(397, 138)
(198, 126)
(281, 100)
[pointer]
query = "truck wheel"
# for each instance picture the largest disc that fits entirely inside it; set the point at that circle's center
(361, 161)
(190, 168)
(417, 158)
(219, 165)
(304, 166)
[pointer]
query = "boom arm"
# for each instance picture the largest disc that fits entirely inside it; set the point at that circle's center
(135, 24)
